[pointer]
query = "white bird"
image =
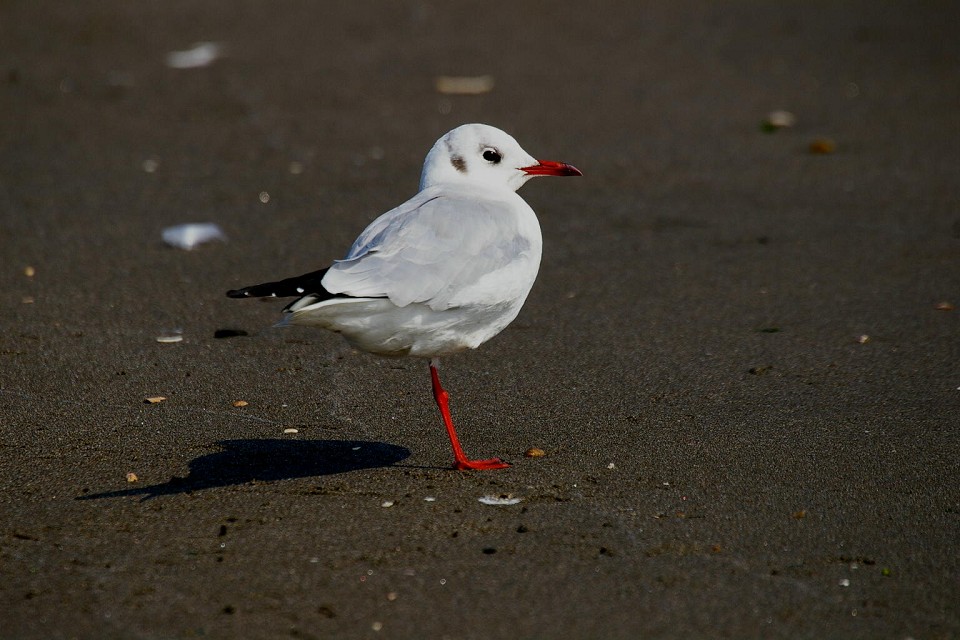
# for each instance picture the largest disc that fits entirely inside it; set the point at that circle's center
(443, 272)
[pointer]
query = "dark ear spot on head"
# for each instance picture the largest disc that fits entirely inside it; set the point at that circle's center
(458, 163)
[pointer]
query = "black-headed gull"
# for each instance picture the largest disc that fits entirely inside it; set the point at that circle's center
(443, 272)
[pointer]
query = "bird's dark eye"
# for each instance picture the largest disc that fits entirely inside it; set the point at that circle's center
(491, 155)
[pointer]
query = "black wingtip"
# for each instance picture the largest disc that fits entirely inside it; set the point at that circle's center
(308, 283)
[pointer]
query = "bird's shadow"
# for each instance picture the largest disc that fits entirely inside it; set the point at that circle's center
(243, 461)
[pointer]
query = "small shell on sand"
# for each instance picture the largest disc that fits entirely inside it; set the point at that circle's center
(189, 236)
(463, 85)
(500, 501)
(200, 54)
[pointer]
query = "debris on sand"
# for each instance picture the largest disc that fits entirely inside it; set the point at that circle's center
(504, 499)
(823, 146)
(777, 120)
(200, 54)
(464, 85)
(189, 236)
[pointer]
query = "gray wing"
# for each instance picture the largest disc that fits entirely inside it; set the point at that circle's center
(429, 249)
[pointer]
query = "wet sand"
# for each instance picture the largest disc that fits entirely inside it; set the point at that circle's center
(740, 356)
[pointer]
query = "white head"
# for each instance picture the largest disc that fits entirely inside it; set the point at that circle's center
(481, 155)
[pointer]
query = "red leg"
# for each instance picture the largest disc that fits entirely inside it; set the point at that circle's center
(460, 458)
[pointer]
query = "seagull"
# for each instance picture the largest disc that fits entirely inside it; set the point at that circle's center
(441, 273)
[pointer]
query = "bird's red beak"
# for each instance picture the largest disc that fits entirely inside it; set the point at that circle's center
(550, 168)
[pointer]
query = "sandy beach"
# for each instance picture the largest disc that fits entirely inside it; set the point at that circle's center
(740, 357)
